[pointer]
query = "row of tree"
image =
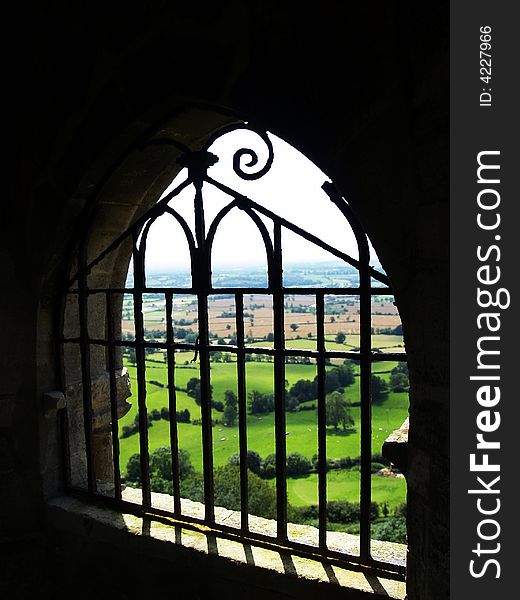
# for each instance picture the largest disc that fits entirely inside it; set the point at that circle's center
(183, 416)
(298, 465)
(228, 406)
(337, 407)
(261, 495)
(226, 480)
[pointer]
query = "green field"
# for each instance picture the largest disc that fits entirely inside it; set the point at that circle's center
(386, 343)
(301, 426)
(344, 485)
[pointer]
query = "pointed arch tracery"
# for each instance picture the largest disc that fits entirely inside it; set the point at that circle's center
(266, 238)
(140, 249)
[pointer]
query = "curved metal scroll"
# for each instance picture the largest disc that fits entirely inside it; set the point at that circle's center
(242, 153)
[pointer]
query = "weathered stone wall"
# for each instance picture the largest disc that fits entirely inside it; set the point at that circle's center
(361, 90)
(101, 425)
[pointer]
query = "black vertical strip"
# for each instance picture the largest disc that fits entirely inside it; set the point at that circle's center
(139, 284)
(484, 155)
(365, 273)
(113, 395)
(205, 406)
(202, 278)
(172, 405)
(279, 386)
(85, 372)
(242, 414)
(366, 410)
(322, 422)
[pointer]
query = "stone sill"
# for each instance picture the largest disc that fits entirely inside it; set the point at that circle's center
(282, 573)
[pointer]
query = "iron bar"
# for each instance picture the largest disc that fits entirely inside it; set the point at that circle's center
(113, 395)
(279, 387)
(242, 412)
(373, 356)
(366, 415)
(133, 343)
(172, 405)
(390, 356)
(201, 280)
(205, 408)
(268, 350)
(322, 421)
(141, 375)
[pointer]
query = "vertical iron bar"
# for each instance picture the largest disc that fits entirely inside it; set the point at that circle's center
(202, 283)
(139, 284)
(279, 386)
(85, 372)
(205, 407)
(366, 410)
(365, 272)
(113, 395)
(172, 405)
(322, 421)
(242, 415)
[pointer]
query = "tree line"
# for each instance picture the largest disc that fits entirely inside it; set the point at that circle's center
(261, 495)
(183, 416)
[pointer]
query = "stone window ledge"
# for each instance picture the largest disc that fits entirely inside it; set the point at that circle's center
(283, 573)
(395, 447)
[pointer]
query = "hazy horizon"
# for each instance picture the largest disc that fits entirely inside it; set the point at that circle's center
(259, 265)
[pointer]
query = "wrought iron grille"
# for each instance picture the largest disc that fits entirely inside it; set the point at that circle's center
(198, 164)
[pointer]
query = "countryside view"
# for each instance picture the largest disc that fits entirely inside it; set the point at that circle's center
(389, 381)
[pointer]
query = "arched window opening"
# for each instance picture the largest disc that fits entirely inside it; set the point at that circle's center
(239, 245)
(166, 247)
(252, 361)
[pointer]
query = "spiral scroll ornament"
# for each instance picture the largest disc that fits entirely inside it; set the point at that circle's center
(247, 157)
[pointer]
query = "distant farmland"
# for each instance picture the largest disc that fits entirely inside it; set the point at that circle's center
(301, 426)
(342, 316)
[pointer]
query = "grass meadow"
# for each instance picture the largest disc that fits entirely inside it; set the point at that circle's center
(301, 427)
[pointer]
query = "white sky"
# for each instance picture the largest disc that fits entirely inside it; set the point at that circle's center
(291, 189)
